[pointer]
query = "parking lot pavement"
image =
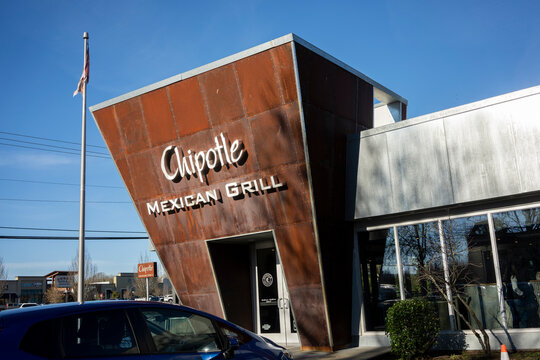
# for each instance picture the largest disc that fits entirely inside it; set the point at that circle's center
(346, 354)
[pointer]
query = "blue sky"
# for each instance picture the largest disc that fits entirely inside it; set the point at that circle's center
(435, 54)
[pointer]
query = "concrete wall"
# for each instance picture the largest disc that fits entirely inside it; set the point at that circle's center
(485, 150)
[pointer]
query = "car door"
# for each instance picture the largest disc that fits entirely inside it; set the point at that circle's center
(180, 334)
(99, 335)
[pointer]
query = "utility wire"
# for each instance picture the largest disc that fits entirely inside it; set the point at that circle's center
(64, 201)
(51, 146)
(60, 183)
(57, 151)
(68, 230)
(6, 237)
(48, 139)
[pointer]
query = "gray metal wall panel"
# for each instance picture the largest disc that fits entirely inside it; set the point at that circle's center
(374, 191)
(526, 126)
(482, 155)
(479, 153)
(419, 167)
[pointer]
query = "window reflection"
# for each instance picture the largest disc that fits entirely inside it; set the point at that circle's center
(421, 257)
(518, 245)
(472, 272)
(379, 275)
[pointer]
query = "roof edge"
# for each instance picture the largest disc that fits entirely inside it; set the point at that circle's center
(380, 92)
(491, 101)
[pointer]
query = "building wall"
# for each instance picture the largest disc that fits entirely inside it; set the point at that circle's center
(477, 152)
(254, 100)
(299, 144)
(335, 103)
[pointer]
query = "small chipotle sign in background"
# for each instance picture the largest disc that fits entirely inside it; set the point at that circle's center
(147, 270)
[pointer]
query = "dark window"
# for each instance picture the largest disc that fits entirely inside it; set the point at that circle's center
(42, 339)
(98, 334)
(229, 331)
(181, 331)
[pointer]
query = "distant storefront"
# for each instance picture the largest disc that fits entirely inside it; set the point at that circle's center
(285, 191)
(25, 289)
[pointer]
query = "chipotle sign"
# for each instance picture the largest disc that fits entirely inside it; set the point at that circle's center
(147, 270)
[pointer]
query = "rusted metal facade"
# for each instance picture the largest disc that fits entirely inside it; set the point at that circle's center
(292, 109)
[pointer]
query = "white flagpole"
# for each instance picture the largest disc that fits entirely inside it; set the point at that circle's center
(80, 289)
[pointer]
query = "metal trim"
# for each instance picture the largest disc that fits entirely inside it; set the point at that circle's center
(382, 93)
(456, 216)
(311, 196)
(497, 268)
(495, 100)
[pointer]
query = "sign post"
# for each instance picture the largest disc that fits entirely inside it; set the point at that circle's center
(146, 271)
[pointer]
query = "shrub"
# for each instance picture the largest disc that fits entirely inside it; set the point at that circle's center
(413, 327)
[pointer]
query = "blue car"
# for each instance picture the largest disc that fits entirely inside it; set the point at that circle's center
(128, 330)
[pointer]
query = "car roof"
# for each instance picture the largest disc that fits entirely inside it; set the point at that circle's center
(38, 313)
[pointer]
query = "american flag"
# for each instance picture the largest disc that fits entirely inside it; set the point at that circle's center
(85, 77)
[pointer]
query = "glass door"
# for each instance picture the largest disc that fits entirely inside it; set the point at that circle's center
(274, 314)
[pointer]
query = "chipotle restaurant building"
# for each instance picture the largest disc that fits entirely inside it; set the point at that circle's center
(278, 186)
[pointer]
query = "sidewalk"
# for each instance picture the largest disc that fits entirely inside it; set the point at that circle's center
(346, 354)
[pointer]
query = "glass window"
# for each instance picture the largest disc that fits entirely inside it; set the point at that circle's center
(380, 282)
(231, 332)
(518, 244)
(472, 272)
(41, 339)
(181, 331)
(97, 334)
(421, 257)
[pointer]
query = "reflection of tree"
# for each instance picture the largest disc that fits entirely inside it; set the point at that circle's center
(519, 221)
(460, 236)
(418, 245)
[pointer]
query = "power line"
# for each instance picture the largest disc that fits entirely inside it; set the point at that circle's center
(9, 237)
(52, 146)
(48, 139)
(57, 151)
(64, 201)
(68, 230)
(60, 183)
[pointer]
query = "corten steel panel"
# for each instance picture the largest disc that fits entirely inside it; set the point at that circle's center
(269, 149)
(110, 132)
(335, 103)
(222, 95)
(188, 106)
(132, 126)
(281, 57)
(253, 100)
(159, 120)
(170, 255)
(258, 83)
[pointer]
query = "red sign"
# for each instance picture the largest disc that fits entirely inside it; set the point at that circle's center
(147, 270)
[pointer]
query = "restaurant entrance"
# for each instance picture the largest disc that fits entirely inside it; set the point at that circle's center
(250, 276)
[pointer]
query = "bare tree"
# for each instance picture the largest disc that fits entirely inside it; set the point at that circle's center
(3, 277)
(90, 271)
(461, 272)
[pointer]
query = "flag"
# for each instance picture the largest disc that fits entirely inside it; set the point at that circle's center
(86, 72)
